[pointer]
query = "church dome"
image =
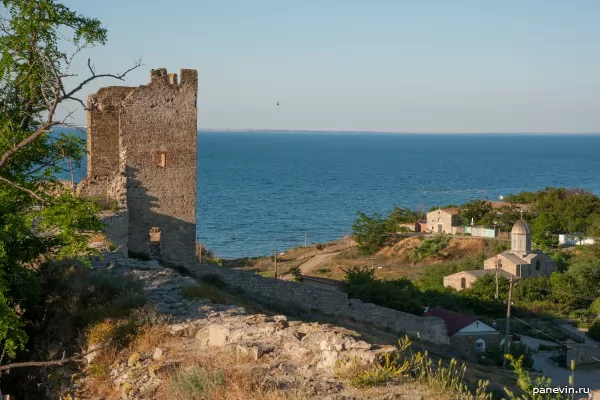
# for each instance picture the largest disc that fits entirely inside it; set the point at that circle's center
(520, 237)
(521, 228)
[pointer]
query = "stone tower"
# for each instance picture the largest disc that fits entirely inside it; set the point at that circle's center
(520, 237)
(142, 153)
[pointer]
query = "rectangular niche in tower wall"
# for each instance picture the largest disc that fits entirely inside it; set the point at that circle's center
(154, 236)
(161, 159)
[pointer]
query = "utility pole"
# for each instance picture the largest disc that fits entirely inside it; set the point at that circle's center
(305, 239)
(507, 335)
(496, 277)
(275, 258)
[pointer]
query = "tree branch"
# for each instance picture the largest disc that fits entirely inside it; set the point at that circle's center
(25, 142)
(120, 77)
(31, 192)
(63, 360)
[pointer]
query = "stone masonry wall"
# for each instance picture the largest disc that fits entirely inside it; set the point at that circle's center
(309, 299)
(158, 122)
(103, 130)
(116, 229)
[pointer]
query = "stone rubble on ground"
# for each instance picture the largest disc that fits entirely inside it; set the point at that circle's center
(287, 354)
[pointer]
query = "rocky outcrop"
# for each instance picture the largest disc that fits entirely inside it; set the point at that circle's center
(284, 353)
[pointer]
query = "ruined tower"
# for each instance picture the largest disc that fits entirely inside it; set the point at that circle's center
(142, 153)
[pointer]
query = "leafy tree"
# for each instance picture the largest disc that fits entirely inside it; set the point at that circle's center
(593, 226)
(595, 307)
(544, 230)
(484, 288)
(404, 215)
(558, 210)
(296, 272)
(371, 233)
(360, 275)
(34, 83)
(476, 211)
(399, 294)
(532, 289)
(585, 278)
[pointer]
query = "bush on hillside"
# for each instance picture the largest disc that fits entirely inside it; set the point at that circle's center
(517, 350)
(594, 331)
(429, 248)
(595, 307)
(399, 294)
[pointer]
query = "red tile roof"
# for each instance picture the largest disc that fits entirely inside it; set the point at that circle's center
(454, 321)
(451, 211)
(500, 204)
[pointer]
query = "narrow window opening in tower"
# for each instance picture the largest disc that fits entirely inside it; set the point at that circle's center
(154, 236)
(161, 159)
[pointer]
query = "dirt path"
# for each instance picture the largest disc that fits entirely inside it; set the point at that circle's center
(316, 261)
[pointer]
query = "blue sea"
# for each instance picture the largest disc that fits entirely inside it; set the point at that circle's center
(259, 191)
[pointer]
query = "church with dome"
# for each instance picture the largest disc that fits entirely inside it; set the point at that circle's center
(519, 262)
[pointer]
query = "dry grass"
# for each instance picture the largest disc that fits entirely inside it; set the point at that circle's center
(219, 374)
(140, 331)
(290, 258)
(102, 238)
(393, 262)
(149, 338)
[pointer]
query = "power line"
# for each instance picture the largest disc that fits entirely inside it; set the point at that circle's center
(565, 293)
(542, 332)
(545, 334)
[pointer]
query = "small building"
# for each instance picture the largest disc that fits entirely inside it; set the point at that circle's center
(573, 239)
(444, 220)
(469, 336)
(502, 204)
(465, 279)
(417, 226)
(409, 227)
(323, 283)
(520, 260)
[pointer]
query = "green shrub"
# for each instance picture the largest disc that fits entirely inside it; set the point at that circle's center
(296, 273)
(405, 364)
(195, 382)
(429, 248)
(517, 350)
(595, 307)
(594, 331)
(398, 294)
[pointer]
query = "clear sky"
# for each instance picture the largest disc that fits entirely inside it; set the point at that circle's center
(405, 66)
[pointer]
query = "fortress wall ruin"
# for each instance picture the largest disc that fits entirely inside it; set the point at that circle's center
(334, 304)
(142, 154)
(158, 128)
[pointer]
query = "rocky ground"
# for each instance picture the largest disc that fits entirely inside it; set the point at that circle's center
(297, 359)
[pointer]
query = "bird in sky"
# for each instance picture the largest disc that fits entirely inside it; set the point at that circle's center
(277, 103)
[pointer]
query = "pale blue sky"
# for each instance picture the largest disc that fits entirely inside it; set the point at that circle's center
(406, 66)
